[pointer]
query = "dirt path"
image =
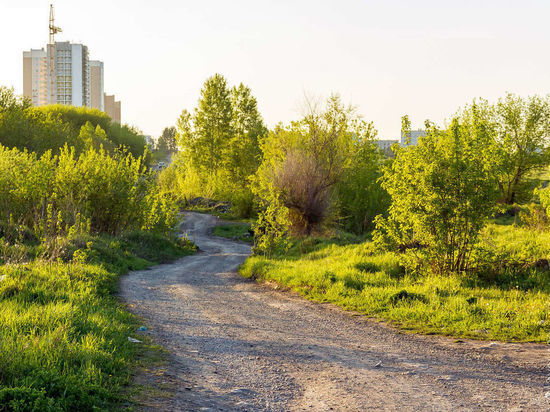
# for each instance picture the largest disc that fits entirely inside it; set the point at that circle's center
(237, 345)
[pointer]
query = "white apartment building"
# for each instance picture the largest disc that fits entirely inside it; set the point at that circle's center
(414, 136)
(35, 76)
(71, 75)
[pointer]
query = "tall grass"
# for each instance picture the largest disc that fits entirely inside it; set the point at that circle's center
(64, 336)
(511, 305)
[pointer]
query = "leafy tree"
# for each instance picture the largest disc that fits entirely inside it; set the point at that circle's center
(248, 128)
(206, 134)
(442, 192)
(305, 160)
(25, 127)
(520, 128)
(359, 194)
(167, 140)
(94, 137)
(219, 144)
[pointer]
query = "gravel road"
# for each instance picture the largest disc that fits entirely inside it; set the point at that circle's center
(236, 345)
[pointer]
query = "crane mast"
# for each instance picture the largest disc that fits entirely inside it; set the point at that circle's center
(51, 50)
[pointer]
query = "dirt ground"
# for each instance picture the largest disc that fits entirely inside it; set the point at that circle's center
(236, 345)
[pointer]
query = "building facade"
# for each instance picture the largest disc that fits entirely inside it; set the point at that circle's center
(68, 82)
(414, 136)
(70, 79)
(97, 85)
(112, 107)
(35, 76)
(72, 74)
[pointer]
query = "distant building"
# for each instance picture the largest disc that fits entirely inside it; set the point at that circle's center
(97, 85)
(75, 80)
(72, 74)
(149, 141)
(385, 145)
(35, 76)
(414, 136)
(112, 107)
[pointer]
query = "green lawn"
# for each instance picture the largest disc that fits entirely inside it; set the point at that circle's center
(504, 304)
(234, 231)
(64, 336)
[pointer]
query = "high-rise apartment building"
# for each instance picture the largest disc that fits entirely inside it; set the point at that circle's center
(96, 85)
(64, 74)
(35, 76)
(112, 107)
(412, 138)
(71, 75)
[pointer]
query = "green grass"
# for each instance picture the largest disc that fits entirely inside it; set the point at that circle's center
(509, 306)
(64, 336)
(224, 216)
(234, 231)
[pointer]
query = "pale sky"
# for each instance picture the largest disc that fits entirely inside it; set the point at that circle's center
(424, 58)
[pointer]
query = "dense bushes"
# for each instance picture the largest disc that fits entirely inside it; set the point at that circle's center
(69, 193)
(219, 145)
(39, 129)
(323, 168)
(443, 191)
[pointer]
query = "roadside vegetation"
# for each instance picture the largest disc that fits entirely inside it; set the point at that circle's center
(78, 208)
(448, 236)
(506, 301)
(236, 231)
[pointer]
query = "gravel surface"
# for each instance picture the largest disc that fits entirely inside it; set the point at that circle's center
(237, 345)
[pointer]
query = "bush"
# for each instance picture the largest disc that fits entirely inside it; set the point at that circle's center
(42, 198)
(304, 163)
(442, 193)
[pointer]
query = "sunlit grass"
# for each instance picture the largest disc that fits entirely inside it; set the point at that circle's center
(512, 307)
(64, 336)
(234, 231)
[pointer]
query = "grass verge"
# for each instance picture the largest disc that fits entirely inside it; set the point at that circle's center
(509, 306)
(64, 337)
(235, 231)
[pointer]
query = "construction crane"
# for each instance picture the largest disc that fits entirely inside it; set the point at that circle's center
(51, 47)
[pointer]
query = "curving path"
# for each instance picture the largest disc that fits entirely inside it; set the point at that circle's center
(236, 345)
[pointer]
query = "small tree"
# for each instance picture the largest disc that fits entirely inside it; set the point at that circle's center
(303, 162)
(167, 140)
(520, 131)
(442, 192)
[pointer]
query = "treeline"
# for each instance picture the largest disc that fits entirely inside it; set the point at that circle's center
(67, 171)
(227, 153)
(78, 208)
(324, 172)
(39, 129)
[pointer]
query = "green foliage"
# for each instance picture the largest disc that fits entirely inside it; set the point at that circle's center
(520, 130)
(544, 196)
(442, 192)
(49, 128)
(25, 127)
(510, 306)
(64, 337)
(314, 167)
(167, 140)
(219, 147)
(205, 135)
(52, 196)
(77, 116)
(359, 194)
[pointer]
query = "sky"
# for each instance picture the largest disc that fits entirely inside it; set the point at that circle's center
(424, 58)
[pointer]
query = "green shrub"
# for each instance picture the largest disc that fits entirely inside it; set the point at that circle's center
(442, 192)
